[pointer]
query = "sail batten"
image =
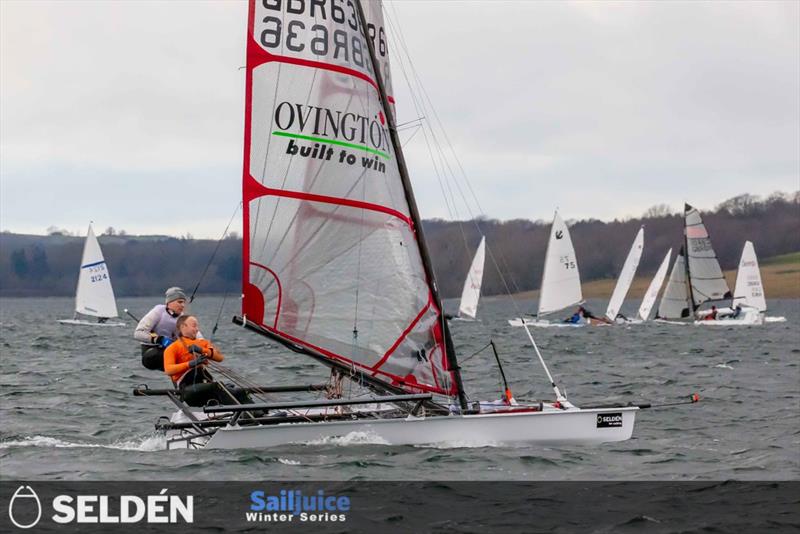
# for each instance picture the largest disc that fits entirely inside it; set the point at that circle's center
(333, 254)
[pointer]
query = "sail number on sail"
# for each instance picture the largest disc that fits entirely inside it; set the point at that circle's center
(341, 44)
(97, 272)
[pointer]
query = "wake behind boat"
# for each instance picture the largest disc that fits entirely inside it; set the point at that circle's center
(336, 269)
(94, 296)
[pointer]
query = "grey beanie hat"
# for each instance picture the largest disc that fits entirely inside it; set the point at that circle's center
(174, 293)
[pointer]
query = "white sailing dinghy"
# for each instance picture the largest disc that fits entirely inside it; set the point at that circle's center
(748, 295)
(471, 294)
(336, 266)
(561, 280)
(94, 296)
(653, 289)
(625, 278)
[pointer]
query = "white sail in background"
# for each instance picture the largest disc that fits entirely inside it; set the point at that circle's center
(95, 296)
(626, 276)
(655, 286)
(675, 300)
(749, 289)
(705, 274)
(561, 281)
(472, 285)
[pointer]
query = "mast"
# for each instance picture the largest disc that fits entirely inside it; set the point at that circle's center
(452, 361)
(686, 209)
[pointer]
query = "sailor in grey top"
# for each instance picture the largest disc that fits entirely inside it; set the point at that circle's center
(156, 330)
(160, 321)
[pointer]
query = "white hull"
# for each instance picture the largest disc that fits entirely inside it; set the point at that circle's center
(541, 428)
(81, 322)
(542, 323)
(774, 319)
(748, 316)
(668, 321)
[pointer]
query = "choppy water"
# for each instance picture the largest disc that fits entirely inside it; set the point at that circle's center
(67, 411)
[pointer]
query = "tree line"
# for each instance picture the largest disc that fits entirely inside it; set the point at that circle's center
(145, 265)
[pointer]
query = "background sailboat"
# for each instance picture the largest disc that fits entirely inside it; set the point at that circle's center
(561, 280)
(94, 296)
(749, 291)
(653, 289)
(471, 294)
(748, 295)
(703, 273)
(626, 276)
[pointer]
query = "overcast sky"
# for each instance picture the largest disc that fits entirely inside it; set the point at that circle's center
(131, 113)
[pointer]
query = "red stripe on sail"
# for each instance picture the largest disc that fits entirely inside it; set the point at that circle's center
(258, 56)
(248, 113)
(254, 189)
(696, 232)
(280, 290)
(402, 337)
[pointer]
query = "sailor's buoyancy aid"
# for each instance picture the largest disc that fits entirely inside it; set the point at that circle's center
(153, 355)
(165, 325)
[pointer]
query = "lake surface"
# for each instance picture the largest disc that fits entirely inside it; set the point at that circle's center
(68, 412)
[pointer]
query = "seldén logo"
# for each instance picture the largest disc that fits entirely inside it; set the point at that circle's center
(22, 503)
(25, 509)
(290, 505)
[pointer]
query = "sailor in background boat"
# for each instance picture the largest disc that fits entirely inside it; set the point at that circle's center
(577, 317)
(185, 363)
(583, 315)
(157, 329)
(712, 315)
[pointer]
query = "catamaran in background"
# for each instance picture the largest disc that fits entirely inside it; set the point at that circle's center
(94, 296)
(336, 267)
(561, 280)
(471, 294)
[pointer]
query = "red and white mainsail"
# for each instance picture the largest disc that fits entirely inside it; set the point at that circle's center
(332, 260)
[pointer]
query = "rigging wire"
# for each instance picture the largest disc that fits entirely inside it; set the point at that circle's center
(420, 106)
(213, 254)
(399, 38)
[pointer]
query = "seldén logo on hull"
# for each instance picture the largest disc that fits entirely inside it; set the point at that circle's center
(330, 135)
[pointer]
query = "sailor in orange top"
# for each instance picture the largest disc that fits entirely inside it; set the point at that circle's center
(185, 359)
